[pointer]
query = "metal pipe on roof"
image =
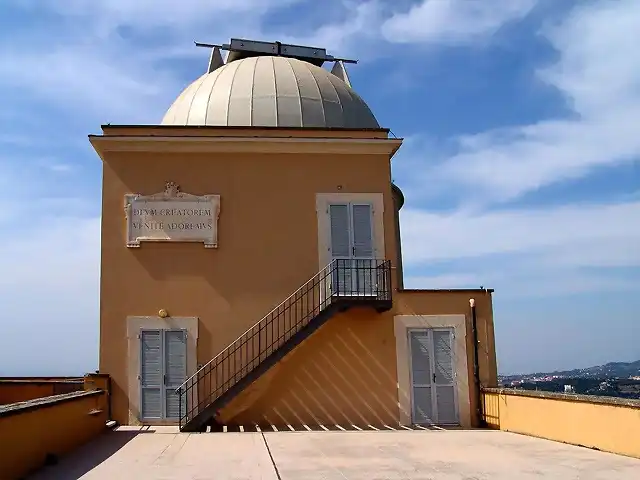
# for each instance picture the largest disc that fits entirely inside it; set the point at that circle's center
(476, 363)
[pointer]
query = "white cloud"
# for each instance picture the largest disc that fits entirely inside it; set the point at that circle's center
(454, 21)
(430, 236)
(95, 69)
(58, 167)
(446, 280)
(78, 79)
(599, 80)
(183, 15)
(527, 252)
(107, 61)
(512, 281)
(353, 36)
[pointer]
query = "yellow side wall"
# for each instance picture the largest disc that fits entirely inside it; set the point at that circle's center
(346, 373)
(59, 428)
(12, 391)
(566, 418)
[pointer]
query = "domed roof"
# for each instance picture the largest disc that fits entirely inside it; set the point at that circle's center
(270, 91)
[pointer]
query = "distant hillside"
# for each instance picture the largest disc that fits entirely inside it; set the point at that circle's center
(609, 370)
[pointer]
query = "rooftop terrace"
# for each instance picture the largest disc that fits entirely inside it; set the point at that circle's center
(69, 436)
(346, 455)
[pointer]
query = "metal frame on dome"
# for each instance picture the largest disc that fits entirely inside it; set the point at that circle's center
(239, 48)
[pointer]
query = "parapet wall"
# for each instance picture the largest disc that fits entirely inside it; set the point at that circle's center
(40, 430)
(21, 389)
(604, 423)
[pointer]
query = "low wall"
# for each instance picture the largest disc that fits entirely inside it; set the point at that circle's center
(21, 389)
(605, 423)
(37, 430)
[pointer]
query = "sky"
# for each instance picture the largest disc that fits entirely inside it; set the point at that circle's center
(519, 165)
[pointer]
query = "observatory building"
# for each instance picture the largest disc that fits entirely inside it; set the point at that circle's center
(251, 270)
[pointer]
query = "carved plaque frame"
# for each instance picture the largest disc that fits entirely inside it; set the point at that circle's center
(173, 194)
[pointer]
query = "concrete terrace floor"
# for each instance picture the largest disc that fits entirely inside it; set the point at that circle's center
(164, 453)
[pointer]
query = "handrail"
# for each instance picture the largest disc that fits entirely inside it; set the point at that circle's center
(342, 279)
(251, 328)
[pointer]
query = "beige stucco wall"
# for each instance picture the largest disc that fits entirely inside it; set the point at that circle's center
(595, 423)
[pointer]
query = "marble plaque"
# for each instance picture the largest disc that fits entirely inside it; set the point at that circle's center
(172, 216)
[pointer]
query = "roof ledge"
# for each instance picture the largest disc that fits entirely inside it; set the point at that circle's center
(321, 145)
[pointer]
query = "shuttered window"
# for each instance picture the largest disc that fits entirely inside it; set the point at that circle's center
(421, 378)
(351, 230)
(362, 231)
(433, 380)
(340, 231)
(444, 377)
(352, 244)
(175, 343)
(163, 368)
(151, 374)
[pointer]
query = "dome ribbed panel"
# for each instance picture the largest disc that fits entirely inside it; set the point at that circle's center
(219, 98)
(178, 113)
(330, 102)
(288, 95)
(270, 92)
(242, 94)
(197, 114)
(264, 112)
(312, 109)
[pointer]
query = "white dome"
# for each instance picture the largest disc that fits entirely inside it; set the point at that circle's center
(269, 91)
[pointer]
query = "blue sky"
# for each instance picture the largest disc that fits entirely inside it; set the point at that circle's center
(520, 164)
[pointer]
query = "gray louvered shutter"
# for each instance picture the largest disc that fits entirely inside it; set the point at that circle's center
(151, 374)
(175, 344)
(340, 242)
(422, 404)
(340, 249)
(362, 231)
(444, 377)
(365, 276)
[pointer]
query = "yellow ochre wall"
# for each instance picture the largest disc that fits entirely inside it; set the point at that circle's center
(267, 233)
(608, 424)
(18, 389)
(347, 371)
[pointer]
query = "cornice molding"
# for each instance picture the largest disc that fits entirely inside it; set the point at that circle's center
(132, 143)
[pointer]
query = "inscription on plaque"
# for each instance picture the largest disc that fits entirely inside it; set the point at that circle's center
(172, 216)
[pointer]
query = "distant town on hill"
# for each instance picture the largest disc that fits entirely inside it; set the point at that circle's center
(614, 379)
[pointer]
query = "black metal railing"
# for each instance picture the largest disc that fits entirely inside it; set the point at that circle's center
(343, 281)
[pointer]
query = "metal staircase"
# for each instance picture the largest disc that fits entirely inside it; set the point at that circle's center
(342, 284)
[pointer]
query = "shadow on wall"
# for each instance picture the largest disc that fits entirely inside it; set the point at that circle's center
(344, 374)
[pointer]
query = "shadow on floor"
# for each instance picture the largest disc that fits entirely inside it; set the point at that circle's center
(326, 428)
(82, 460)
